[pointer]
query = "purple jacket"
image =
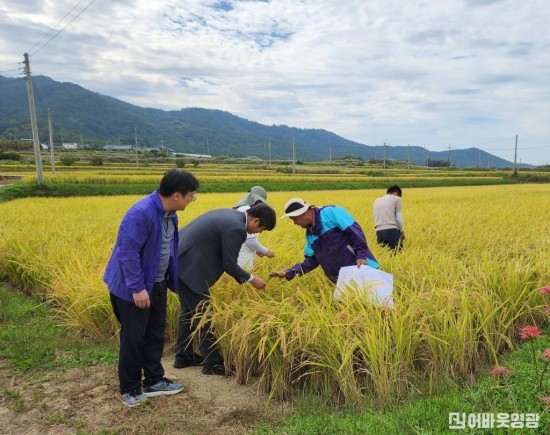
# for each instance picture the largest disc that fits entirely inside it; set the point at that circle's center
(333, 241)
(135, 259)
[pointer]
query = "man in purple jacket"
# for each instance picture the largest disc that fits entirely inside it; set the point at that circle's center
(143, 264)
(333, 240)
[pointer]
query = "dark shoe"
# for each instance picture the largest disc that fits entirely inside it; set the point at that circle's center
(187, 361)
(216, 369)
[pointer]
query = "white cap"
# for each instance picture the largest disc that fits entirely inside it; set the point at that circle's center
(295, 207)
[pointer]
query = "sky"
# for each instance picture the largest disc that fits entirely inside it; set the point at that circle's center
(447, 74)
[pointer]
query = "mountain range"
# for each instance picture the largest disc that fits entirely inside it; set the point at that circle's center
(83, 116)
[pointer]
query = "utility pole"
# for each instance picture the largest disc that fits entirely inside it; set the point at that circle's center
(34, 125)
(51, 139)
(330, 152)
(269, 149)
(384, 155)
(293, 156)
(207, 147)
(409, 156)
(449, 158)
(136, 145)
(426, 156)
(516, 156)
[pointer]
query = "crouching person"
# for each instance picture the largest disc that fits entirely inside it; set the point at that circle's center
(209, 245)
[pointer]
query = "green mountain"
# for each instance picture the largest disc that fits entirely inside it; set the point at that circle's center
(82, 116)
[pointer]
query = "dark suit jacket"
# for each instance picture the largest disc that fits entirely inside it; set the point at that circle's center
(208, 246)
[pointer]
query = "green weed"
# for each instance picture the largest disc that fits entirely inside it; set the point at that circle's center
(14, 400)
(31, 339)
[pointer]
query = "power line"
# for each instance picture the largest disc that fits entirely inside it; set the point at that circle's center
(496, 149)
(533, 148)
(10, 70)
(54, 27)
(64, 27)
(519, 148)
(495, 140)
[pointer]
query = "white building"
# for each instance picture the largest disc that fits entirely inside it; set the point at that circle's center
(118, 147)
(196, 156)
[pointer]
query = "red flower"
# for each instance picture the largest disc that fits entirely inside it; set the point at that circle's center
(545, 290)
(500, 372)
(546, 354)
(546, 400)
(529, 332)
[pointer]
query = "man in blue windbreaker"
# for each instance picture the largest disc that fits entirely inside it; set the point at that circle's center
(143, 265)
(333, 240)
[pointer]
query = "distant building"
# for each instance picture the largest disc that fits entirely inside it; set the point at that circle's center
(118, 147)
(196, 156)
(150, 149)
(69, 146)
(44, 146)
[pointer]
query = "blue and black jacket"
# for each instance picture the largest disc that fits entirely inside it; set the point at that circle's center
(333, 241)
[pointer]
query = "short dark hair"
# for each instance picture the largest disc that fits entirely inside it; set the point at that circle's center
(177, 180)
(394, 189)
(265, 213)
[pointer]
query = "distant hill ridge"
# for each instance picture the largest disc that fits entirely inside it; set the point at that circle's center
(80, 115)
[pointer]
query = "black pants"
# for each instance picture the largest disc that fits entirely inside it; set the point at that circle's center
(141, 340)
(189, 301)
(390, 238)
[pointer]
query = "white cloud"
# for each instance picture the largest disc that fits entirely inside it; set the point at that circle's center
(440, 74)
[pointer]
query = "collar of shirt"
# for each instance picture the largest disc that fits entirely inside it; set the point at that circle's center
(245, 218)
(313, 229)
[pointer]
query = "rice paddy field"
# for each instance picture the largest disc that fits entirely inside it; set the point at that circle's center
(467, 279)
(280, 176)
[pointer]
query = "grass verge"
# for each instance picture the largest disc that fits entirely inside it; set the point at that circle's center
(31, 339)
(25, 190)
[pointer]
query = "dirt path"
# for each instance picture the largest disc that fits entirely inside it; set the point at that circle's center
(87, 401)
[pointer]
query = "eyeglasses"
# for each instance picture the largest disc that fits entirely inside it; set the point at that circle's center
(193, 197)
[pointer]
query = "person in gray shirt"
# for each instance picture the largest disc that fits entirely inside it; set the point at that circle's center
(388, 220)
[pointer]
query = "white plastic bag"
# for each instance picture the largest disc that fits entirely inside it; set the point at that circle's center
(374, 283)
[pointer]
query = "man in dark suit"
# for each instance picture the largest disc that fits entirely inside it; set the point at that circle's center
(209, 245)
